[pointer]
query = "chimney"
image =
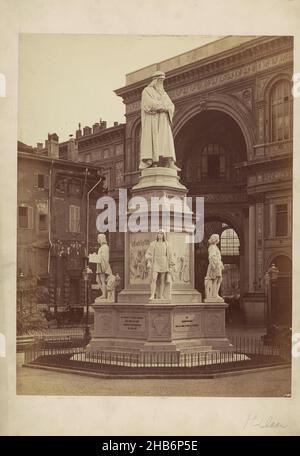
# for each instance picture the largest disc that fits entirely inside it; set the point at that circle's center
(52, 145)
(40, 147)
(72, 149)
(116, 124)
(79, 132)
(96, 127)
(87, 131)
(103, 124)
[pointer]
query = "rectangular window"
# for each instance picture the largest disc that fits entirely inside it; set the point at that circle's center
(74, 219)
(43, 222)
(41, 180)
(25, 217)
(281, 220)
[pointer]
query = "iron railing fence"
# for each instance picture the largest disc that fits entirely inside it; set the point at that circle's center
(60, 333)
(70, 349)
(251, 346)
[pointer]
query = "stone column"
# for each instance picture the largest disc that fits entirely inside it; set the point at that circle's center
(252, 250)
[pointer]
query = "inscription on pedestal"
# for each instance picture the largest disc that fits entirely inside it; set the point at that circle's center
(186, 322)
(132, 323)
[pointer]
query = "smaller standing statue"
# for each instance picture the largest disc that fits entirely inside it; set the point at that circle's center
(213, 277)
(159, 261)
(103, 267)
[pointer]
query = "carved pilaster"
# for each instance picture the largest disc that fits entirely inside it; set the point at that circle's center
(259, 207)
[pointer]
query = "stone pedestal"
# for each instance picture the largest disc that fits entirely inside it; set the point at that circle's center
(182, 324)
(163, 184)
(159, 327)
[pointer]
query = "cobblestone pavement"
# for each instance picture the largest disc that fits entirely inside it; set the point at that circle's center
(268, 383)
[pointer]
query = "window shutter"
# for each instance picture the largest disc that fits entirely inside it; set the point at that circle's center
(204, 165)
(30, 218)
(77, 218)
(71, 218)
(222, 165)
(74, 219)
(35, 180)
(46, 181)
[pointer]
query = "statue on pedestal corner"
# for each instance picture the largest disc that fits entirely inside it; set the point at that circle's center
(103, 270)
(215, 268)
(157, 110)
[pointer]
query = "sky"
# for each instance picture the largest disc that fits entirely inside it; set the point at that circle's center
(66, 79)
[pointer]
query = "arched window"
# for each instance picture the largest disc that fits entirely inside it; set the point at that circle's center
(213, 161)
(283, 263)
(230, 243)
(280, 111)
(209, 164)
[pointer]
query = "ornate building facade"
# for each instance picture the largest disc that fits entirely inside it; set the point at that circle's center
(233, 140)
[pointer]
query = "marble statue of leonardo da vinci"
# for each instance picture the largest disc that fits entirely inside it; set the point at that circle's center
(157, 112)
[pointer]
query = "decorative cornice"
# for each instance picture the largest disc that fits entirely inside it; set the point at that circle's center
(233, 65)
(270, 176)
(103, 137)
(266, 163)
(225, 197)
(56, 161)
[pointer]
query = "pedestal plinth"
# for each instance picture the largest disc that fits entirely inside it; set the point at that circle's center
(158, 326)
(183, 324)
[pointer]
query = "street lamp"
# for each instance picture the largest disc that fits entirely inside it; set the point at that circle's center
(86, 275)
(21, 288)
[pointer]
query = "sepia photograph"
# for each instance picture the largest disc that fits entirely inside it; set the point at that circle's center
(102, 291)
(149, 218)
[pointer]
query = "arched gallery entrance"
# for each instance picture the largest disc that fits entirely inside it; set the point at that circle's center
(208, 146)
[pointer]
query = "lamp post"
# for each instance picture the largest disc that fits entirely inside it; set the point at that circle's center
(21, 288)
(86, 275)
(270, 278)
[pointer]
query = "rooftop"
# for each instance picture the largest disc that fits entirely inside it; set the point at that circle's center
(211, 49)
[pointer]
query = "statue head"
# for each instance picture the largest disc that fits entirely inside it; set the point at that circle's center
(158, 79)
(214, 239)
(101, 239)
(161, 235)
(159, 75)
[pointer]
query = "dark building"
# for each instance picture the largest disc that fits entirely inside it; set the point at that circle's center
(52, 219)
(103, 146)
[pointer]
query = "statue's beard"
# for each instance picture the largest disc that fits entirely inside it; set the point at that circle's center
(160, 89)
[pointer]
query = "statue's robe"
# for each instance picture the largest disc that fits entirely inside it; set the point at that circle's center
(103, 266)
(215, 266)
(156, 138)
(151, 256)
